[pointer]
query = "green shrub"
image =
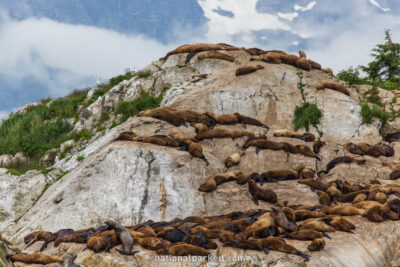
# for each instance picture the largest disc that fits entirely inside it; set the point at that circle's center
(113, 124)
(351, 75)
(80, 158)
(305, 115)
(372, 96)
(81, 135)
(14, 172)
(142, 102)
(143, 74)
(104, 88)
(368, 114)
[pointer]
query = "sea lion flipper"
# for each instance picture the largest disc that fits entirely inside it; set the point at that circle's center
(30, 244)
(127, 253)
(266, 251)
(206, 161)
(325, 235)
(255, 200)
(258, 150)
(304, 256)
(44, 246)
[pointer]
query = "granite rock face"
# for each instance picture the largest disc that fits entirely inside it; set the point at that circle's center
(134, 182)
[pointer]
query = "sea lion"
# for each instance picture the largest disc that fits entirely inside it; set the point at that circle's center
(333, 192)
(123, 236)
(333, 86)
(161, 140)
(393, 137)
(222, 133)
(176, 117)
(185, 249)
(268, 58)
(263, 223)
(200, 47)
(344, 211)
(37, 236)
(213, 182)
(306, 151)
(307, 137)
(318, 145)
(314, 184)
(150, 242)
(249, 121)
(305, 234)
(381, 197)
(324, 198)
(215, 55)
(366, 149)
(248, 70)
(233, 159)
(35, 258)
(174, 235)
(339, 223)
(317, 244)
(103, 241)
(278, 244)
(394, 175)
(125, 136)
(222, 119)
(281, 175)
(259, 193)
(375, 214)
(316, 225)
(307, 173)
(189, 144)
(339, 160)
(281, 220)
(302, 54)
(303, 214)
(314, 65)
(328, 70)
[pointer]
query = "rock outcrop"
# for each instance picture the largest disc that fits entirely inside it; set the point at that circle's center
(132, 182)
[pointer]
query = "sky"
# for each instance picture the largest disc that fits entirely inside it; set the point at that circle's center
(51, 51)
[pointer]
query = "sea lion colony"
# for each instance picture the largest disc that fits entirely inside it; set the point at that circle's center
(257, 229)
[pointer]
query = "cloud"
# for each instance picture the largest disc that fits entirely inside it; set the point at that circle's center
(307, 7)
(64, 56)
(244, 21)
(379, 6)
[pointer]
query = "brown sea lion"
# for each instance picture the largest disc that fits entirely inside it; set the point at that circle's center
(259, 193)
(393, 137)
(272, 58)
(222, 119)
(249, 121)
(233, 159)
(123, 236)
(161, 140)
(340, 223)
(126, 136)
(263, 223)
(334, 86)
(302, 54)
(314, 184)
(318, 145)
(307, 137)
(317, 244)
(344, 211)
(213, 182)
(215, 55)
(328, 70)
(316, 225)
(324, 198)
(185, 249)
(35, 258)
(340, 160)
(248, 70)
(305, 234)
(282, 221)
(222, 133)
(277, 244)
(199, 47)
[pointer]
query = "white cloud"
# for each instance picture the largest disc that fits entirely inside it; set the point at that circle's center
(307, 7)
(36, 47)
(379, 6)
(288, 16)
(245, 20)
(3, 115)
